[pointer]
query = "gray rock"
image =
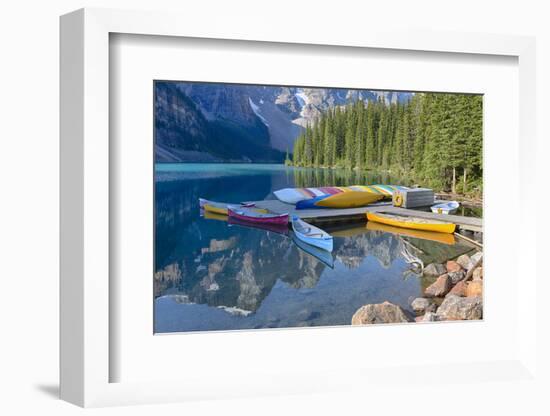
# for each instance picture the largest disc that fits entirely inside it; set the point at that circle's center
(434, 270)
(459, 289)
(430, 317)
(380, 313)
(455, 308)
(464, 261)
(440, 287)
(475, 258)
(457, 276)
(478, 274)
(420, 305)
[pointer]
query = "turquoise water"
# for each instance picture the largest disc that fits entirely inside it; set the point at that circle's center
(212, 275)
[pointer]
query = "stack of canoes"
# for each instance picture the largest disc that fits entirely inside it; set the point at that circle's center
(348, 199)
(295, 195)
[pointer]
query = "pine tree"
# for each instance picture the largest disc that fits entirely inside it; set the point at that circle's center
(288, 162)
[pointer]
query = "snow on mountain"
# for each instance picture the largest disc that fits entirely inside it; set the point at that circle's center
(257, 111)
(301, 97)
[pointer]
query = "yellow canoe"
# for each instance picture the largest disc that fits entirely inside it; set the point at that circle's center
(215, 209)
(413, 223)
(444, 238)
(209, 215)
(349, 199)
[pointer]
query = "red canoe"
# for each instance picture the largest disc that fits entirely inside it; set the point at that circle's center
(249, 215)
(274, 228)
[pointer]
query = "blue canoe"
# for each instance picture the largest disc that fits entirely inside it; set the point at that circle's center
(310, 203)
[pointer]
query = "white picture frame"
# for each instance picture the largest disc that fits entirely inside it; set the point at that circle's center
(85, 203)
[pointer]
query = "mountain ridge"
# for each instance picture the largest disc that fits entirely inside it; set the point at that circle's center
(207, 122)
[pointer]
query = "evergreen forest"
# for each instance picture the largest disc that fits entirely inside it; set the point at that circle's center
(433, 140)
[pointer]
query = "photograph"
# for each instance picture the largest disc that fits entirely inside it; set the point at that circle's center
(285, 206)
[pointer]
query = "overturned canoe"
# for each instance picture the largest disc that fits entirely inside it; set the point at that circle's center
(311, 235)
(413, 223)
(311, 203)
(350, 199)
(251, 215)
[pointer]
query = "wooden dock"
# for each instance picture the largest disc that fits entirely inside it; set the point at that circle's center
(358, 214)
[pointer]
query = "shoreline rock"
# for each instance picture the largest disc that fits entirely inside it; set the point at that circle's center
(459, 289)
(464, 261)
(474, 288)
(380, 313)
(456, 276)
(456, 308)
(434, 270)
(421, 305)
(453, 266)
(478, 273)
(476, 258)
(440, 287)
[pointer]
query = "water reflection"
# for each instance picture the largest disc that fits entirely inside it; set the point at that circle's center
(212, 274)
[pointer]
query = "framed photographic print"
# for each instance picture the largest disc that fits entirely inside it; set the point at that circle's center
(228, 198)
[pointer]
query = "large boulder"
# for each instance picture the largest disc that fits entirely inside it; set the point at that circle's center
(457, 276)
(453, 266)
(474, 288)
(380, 313)
(464, 261)
(434, 270)
(456, 308)
(420, 305)
(459, 289)
(440, 287)
(478, 274)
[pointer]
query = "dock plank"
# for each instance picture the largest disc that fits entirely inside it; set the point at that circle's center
(358, 214)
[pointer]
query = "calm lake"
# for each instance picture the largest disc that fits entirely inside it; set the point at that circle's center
(213, 275)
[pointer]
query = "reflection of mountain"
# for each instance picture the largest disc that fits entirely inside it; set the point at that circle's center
(385, 247)
(245, 266)
(177, 211)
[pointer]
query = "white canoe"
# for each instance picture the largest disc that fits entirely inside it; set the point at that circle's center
(323, 256)
(447, 207)
(311, 235)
